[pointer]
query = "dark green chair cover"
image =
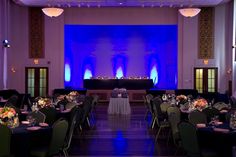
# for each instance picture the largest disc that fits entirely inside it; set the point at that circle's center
(59, 132)
(5, 141)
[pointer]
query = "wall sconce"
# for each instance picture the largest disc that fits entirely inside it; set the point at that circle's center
(13, 69)
(205, 61)
(36, 61)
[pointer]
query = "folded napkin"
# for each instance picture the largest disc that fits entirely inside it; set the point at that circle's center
(221, 130)
(223, 111)
(201, 125)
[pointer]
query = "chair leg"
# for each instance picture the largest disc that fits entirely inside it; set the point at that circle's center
(65, 153)
(153, 122)
(169, 136)
(88, 121)
(158, 132)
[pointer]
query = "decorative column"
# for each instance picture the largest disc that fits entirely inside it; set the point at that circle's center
(4, 67)
(206, 33)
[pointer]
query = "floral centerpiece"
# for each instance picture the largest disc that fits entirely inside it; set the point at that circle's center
(200, 104)
(9, 117)
(181, 99)
(44, 102)
(72, 96)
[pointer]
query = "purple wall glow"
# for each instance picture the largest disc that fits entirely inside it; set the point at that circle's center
(136, 49)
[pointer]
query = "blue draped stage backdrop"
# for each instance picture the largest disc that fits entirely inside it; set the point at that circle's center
(121, 50)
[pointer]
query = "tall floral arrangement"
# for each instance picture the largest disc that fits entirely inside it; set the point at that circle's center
(8, 116)
(200, 104)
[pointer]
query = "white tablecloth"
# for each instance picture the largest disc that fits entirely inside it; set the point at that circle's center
(119, 106)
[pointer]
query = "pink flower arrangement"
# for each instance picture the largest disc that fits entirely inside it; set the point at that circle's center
(8, 116)
(7, 112)
(200, 103)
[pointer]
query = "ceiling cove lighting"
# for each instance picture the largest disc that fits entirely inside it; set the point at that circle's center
(189, 12)
(52, 12)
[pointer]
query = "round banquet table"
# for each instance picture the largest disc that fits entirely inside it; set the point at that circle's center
(23, 139)
(220, 138)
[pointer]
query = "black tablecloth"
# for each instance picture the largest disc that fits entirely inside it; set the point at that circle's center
(22, 139)
(219, 141)
(118, 83)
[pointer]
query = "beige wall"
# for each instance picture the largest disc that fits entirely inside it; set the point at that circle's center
(54, 40)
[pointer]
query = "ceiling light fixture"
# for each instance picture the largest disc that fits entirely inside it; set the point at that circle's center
(189, 12)
(52, 11)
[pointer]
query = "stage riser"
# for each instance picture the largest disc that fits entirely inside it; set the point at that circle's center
(104, 95)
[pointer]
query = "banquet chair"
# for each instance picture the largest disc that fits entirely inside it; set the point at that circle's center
(164, 106)
(70, 132)
(5, 144)
(12, 100)
(196, 117)
(159, 119)
(93, 105)
(70, 105)
(147, 101)
(174, 116)
(87, 107)
(59, 130)
(50, 113)
(210, 113)
(189, 141)
(233, 102)
(38, 116)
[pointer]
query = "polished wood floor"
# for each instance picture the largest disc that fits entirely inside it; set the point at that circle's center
(120, 135)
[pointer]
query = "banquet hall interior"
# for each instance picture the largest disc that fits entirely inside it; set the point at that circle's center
(106, 78)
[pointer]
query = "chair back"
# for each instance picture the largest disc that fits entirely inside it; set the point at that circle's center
(173, 113)
(59, 131)
(50, 114)
(156, 102)
(70, 105)
(38, 116)
(188, 135)
(149, 98)
(95, 100)
(12, 100)
(211, 112)
(72, 124)
(164, 106)
(5, 144)
(196, 117)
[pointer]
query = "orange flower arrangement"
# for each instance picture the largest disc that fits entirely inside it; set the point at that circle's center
(200, 103)
(8, 116)
(181, 98)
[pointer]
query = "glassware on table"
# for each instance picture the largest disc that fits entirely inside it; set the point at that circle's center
(31, 120)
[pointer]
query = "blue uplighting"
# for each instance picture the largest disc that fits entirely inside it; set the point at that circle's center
(154, 75)
(119, 73)
(87, 74)
(121, 50)
(67, 73)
